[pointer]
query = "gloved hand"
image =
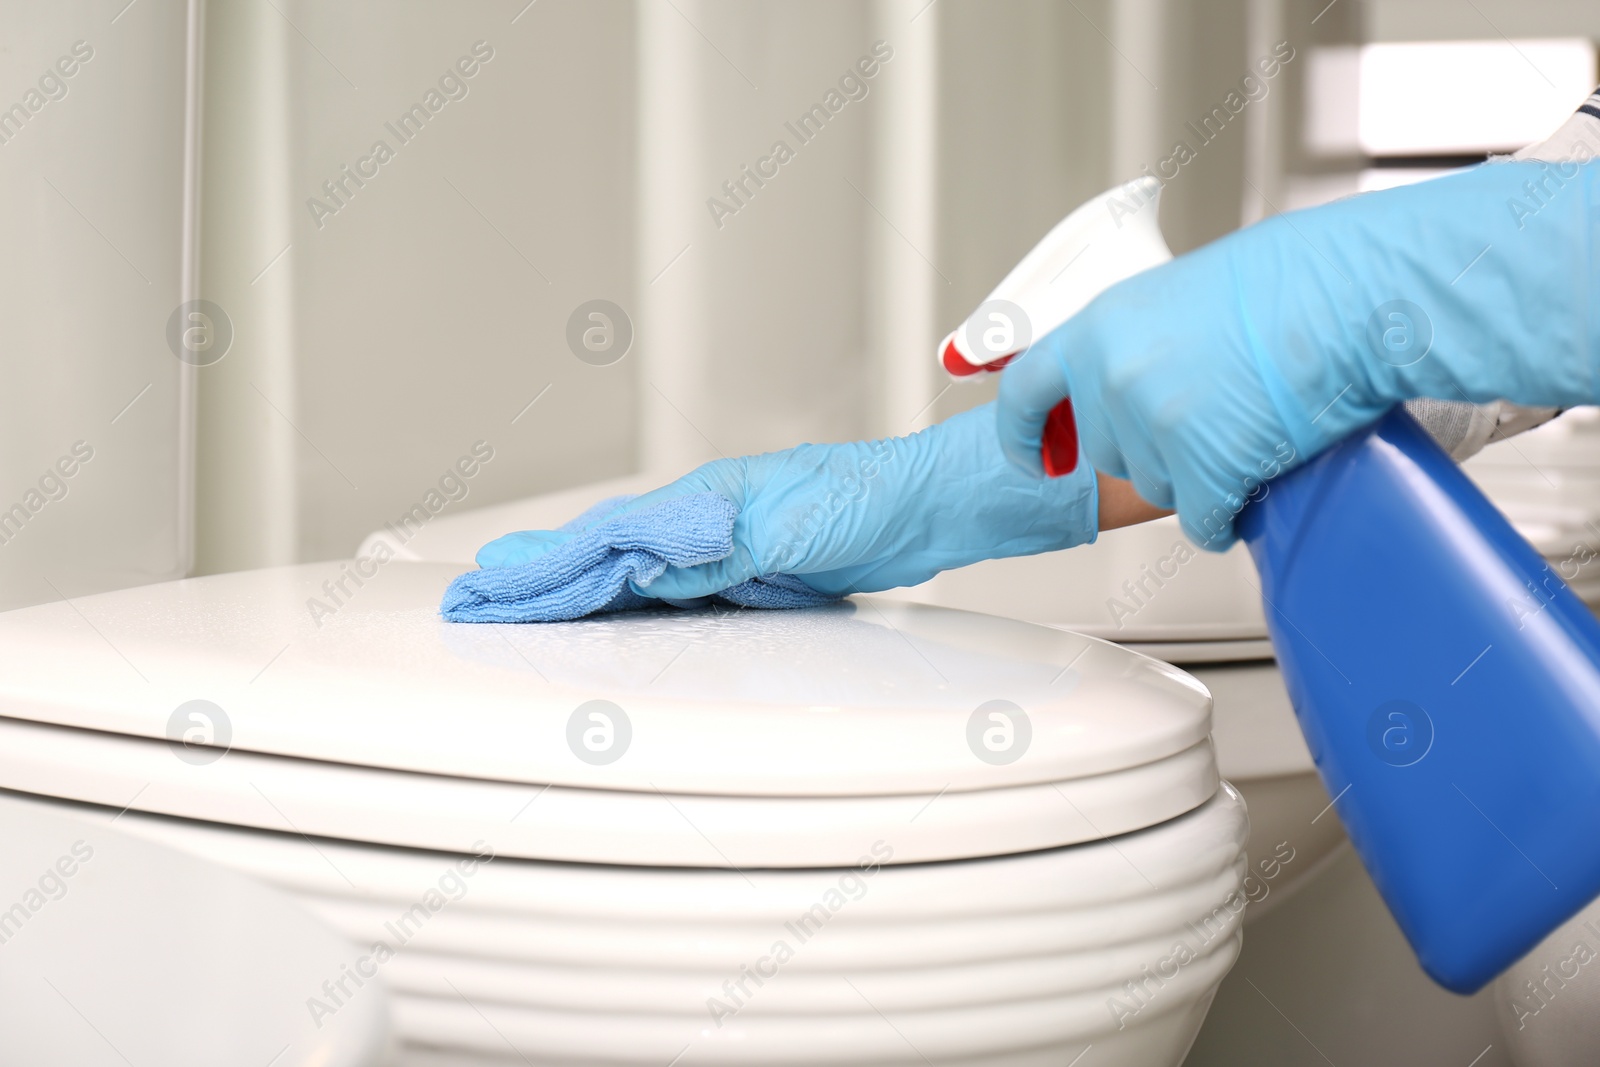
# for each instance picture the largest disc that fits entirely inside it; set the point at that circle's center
(865, 516)
(1205, 377)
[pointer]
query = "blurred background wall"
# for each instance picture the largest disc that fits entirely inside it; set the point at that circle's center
(599, 150)
(93, 484)
(382, 314)
(376, 343)
(388, 327)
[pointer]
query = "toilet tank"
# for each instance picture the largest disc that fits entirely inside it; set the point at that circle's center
(96, 169)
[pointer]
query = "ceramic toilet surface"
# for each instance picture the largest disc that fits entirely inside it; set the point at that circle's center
(168, 958)
(1261, 751)
(1184, 653)
(1259, 733)
(454, 814)
(1016, 960)
(793, 735)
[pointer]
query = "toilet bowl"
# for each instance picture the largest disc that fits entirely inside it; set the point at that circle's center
(114, 950)
(874, 833)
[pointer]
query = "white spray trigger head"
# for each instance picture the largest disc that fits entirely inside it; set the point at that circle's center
(1111, 237)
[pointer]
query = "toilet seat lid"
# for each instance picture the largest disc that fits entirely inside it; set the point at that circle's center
(858, 699)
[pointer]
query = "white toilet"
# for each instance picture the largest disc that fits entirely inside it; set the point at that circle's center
(876, 833)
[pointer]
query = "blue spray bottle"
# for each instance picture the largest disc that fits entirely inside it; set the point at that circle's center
(1445, 678)
(1448, 685)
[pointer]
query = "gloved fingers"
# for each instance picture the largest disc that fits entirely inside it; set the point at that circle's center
(727, 478)
(872, 577)
(1212, 493)
(1207, 519)
(528, 545)
(1116, 443)
(706, 579)
(839, 583)
(524, 546)
(1029, 388)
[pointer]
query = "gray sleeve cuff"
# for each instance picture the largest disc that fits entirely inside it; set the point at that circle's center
(1462, 429)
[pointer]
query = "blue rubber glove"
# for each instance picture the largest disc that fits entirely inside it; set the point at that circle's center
(1203, 378)
(865, 516)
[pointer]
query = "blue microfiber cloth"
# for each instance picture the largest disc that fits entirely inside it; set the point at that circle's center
(590, 573)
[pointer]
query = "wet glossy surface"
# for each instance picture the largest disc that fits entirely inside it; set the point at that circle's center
(863, 698)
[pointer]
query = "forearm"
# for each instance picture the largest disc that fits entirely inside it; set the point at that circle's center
(1121, 506)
